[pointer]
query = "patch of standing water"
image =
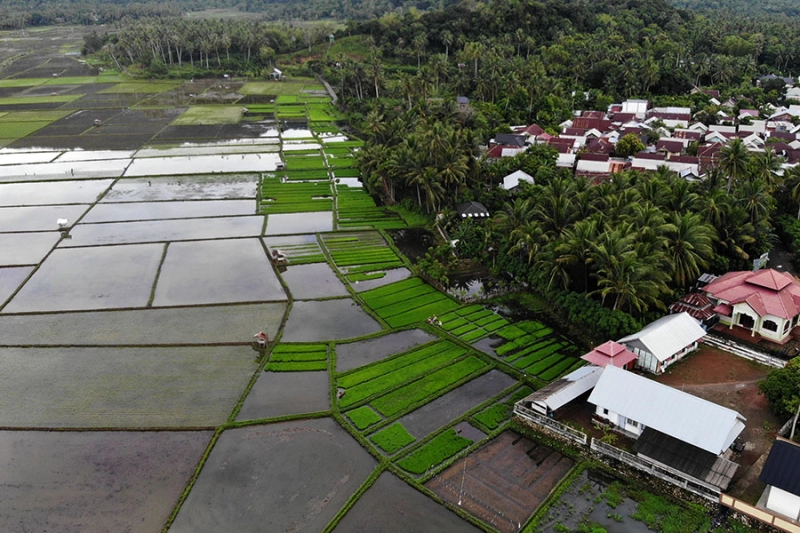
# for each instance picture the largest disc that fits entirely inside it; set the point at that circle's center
(133, 211)
(62, 192)
(286, 223)
(10, 280)
(112, 168)
(199, 187)
(26, 158)
(297, 146)
(94, 155)
(190, 149)
(163, 166)
(297, 134)
(350, 182)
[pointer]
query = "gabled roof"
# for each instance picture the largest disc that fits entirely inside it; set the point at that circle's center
(678, 414)
(513, 179)
(767, 291)
(782, 468)
(666, 336)
(610, 353)
(697, 305)
(472, 210)
(564, 390)
(533, 129)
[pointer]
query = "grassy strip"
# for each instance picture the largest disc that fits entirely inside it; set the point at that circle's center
(363, 417)
(441, 447)
(297, 366)
(392, 438)
(400, 399)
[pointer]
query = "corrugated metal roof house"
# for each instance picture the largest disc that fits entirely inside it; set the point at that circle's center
(781, 473)
(661, 343)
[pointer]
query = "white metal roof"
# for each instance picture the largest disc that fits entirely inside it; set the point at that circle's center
(566, 389)
(704, 424)
(666, 336)
(513, 179)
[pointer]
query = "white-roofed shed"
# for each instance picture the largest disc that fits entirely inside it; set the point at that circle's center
(512, 180)
(633, 402)
(661, 343)
(562, 391)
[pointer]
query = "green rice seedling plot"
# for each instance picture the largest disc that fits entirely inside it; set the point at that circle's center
(298, 358)
(341, 162)
(493, 416)
(561, 367)
(363, 417)
(209, 115)
(46, 116)
(123, 387)
(215, 272)
(215, 325)
(296, 223)
(164, 230)
(540, 360)
(392, 438)
(295, 197)
(311, 281)
(287, 393)
(510, 332)
(113, 480)
(390, 504)
(91, 278)
(346, 173)
(198, 187)
(540, 366)
(245, 464)
(286, 99)
(356, 354)
(442, 411)
(137, 87)
(298, 249)
(72, 80)
(63, 192)
(432, 384)
(284, 87)
(306, 175)
(22, 82)
(304, 162)
(434, 452)
(18, 249)
(355, 208)
(322, 112)
(530, 350)
(474, 335)
(387, 277)
(10, 280)
(16, 130)
(37, 100)
(333, 320)
(360, 252)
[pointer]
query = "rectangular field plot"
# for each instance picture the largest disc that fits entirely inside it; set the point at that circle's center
(434, 452)
(361, 252)
(298, 249)
(91, 278)
(26, 248)
(511, 473)
(10, 280)
(63, 192)
(298, 358)
(356, 209)
(407, 302)
(472, 323)
(204, 115)
(534, 349)
(164, 231)
(288, 223)
(169, 166)
(115, 480)
(286, 393)
(127, 212)
(295, 197)
(355, 354)
(210, 272)
(199, 187)
(327, 320)
(122, 387)
(311, 281)
(228, 324)
(384, 376)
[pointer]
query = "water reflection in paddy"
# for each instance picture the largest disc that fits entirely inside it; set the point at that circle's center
(38, 218)
(63, 192)
(200, 187)
(69, 170)
(10, 279)
(26, 248)
(107, 212)
(281, 224)
(161, 166)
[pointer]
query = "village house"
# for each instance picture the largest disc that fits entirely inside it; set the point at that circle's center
(661, 343)
(766, 303)
(611, 353)
(781, 474)
(512, 181)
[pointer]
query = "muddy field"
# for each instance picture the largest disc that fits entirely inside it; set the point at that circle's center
(313, 321)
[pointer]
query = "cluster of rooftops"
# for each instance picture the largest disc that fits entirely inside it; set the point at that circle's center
(587, 142)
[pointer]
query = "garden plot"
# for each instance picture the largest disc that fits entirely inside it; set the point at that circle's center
(163, 231)
(213, 272)
(229, 324)
(288, 223)
(104, 481)
(129, 212)
(170, 166)
(391, 505)
(122, 387)
(91, 278)
(298, 358)
(355, 354)
(438, 413)
(495, 415)
(472, 323)
(356, 209)
(10, 280)
(63, 192)
(295, 197)
(318, 464)
(325, 320)
(534, 349)
(18, 249)
(439, 449)
(407, 302)
(287, 393)
(361, 256)
(313, 281)
(298, 249)
(502, 482)
(198, 187)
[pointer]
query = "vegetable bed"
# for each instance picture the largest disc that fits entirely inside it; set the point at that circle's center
(392, 438)
(440, 448)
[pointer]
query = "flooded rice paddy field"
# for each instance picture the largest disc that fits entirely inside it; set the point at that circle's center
(131, 331)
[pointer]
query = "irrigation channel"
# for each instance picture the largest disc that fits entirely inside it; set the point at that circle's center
(147, 233)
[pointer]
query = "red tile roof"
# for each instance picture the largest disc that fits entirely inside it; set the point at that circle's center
(610, 353)
(697, 305)
(533, 129)
(767, 291)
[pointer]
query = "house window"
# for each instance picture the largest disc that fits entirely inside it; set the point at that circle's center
(786, 326)
(746, 321)
(770, 325)
(605, 411)
(633, 423)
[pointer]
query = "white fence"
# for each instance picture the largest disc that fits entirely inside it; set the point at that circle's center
(553, 425)
(670, 475)
(743, 351)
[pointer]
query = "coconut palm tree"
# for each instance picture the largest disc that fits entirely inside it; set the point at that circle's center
(734, 158)
(689, 243)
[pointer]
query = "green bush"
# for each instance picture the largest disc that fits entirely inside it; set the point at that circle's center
(392, 438)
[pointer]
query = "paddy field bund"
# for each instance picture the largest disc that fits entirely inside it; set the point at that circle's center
(132, 398)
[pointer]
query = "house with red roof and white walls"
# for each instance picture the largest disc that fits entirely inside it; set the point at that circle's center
(766, 302)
